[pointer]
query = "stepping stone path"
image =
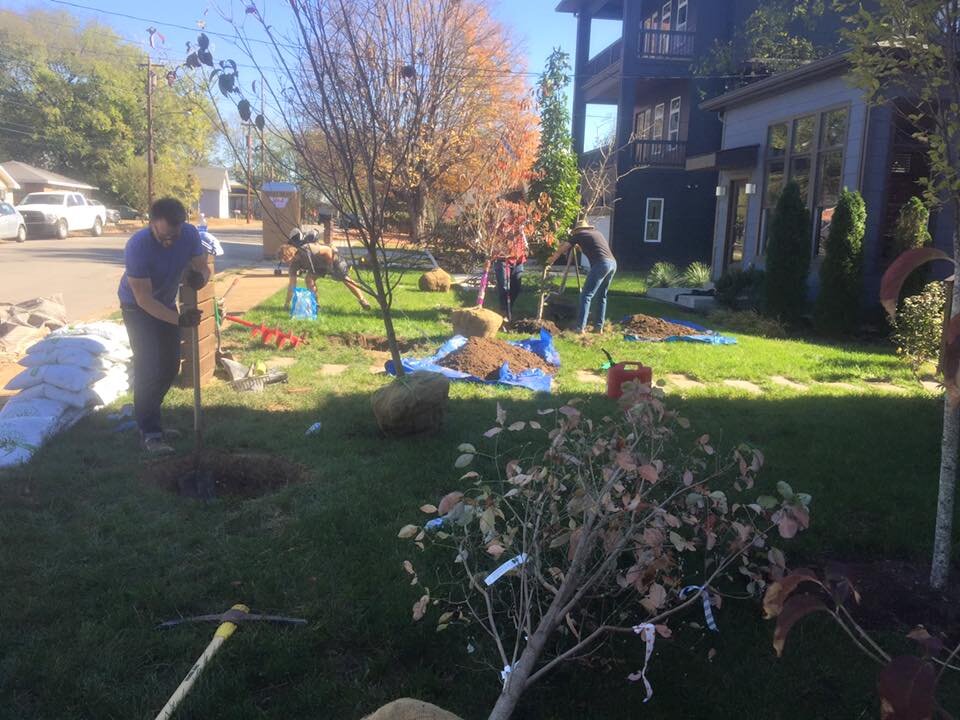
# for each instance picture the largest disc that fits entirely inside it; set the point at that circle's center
(744, 385)
(788, 383)
(683, 382)
(333, 370)
(932, 387)
(884, 387)
(586, 376)
(281, 361)
(840, 386)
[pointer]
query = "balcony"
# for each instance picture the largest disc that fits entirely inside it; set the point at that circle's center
(666, 44)
(659, 153)
(606, 58)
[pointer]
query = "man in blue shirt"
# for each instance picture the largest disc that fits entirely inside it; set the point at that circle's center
(155, 260)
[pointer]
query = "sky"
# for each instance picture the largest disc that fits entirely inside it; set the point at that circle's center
(535, 25)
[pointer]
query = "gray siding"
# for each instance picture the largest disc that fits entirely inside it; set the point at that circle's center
(747, 125)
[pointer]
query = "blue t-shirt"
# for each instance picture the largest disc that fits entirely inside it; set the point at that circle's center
(145, 257)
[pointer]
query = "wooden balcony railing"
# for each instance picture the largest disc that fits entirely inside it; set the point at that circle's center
(666, 44)
(604, 59)
(659, 153)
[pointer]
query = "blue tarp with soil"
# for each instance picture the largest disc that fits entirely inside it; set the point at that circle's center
(704, 335)
(531, 379)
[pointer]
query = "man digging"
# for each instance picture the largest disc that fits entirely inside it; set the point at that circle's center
(155, 259)
(315, 260)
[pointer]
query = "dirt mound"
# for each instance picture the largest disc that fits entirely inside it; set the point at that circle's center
(237, 475)
(483, 357)
(655, 328)
(532, 326)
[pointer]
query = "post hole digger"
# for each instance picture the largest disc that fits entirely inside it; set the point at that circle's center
(228, 623)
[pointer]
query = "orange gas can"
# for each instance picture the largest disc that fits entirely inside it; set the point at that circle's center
(619, 373)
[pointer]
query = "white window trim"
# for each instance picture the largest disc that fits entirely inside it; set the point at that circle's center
(659, 111)
(647, 220)
(670, 129)
(666, 15)
(682, 26)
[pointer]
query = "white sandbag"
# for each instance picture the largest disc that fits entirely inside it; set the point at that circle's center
(68, 377)
(20, 438)
(68, 356)
(88, 343)
(107, 330)
(18, 406)
(111, 387)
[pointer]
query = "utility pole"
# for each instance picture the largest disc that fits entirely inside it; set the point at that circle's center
(249, 172)
(149, 133)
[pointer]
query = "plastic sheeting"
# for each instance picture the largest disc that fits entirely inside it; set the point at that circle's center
(704, 335)
(535, 380)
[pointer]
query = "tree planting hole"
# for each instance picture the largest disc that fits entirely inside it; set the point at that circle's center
(224, 475)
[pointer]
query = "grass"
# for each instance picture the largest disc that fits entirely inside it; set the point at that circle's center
(93, 557)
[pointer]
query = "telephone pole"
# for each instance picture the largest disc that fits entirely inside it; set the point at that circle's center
(150, 83)
(249, 173)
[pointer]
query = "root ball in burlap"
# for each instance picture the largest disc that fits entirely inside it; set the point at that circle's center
(437, 280)
(408, 709)
(476, 322)
(413, 404)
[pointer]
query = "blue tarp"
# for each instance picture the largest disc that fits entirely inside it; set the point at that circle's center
(531, 379)
(705, 335)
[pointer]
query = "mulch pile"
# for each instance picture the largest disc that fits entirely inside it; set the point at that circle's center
(236, 475)
(483, 357)
(532, 326)
(650, 327)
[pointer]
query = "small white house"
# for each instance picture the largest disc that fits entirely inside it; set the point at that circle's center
(214, 191)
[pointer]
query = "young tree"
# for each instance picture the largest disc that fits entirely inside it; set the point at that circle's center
(788, 256)
(909, 51)
(555, 170)
(841, 275)
(595, 529)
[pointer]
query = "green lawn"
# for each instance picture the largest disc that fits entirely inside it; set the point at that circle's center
(93, 557)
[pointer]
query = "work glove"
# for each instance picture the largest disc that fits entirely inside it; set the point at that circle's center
(195, 279)
(190, 318)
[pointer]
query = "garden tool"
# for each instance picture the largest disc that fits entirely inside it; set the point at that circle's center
(560, 307)
(268, 334)
(228, 624)
(198, 483)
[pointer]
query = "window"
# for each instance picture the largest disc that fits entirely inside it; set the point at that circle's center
(641, 125)
(5, 209)
(681, 15)
(673, 124)
(653, 227)
(666, 17)
(656, 147)
(808, 150)
(74, 200)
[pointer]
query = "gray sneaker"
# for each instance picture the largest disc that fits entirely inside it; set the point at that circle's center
(155, 445)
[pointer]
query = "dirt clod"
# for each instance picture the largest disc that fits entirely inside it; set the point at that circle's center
(232, 475)
(532, 326)
(483, 357)
(654, 328)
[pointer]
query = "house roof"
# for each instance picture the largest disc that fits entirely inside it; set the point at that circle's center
(25, 174)
(811, 72)
(7, 181)
(211, 177)
(609, 10)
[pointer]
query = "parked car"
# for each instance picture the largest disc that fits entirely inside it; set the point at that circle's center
(113, 216)
(58, 213)
(123, 212)
(12, 224)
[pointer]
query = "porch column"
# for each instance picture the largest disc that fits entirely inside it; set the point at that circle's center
(628, 81)
(579, 65)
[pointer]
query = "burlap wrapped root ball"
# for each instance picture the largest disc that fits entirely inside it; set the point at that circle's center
(437, 280)
(413, 404)
(408, 709)
(476, 322)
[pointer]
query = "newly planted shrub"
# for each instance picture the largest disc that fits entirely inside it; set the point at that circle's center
(841, 274)
(788, 256)
(663, 274)
(595, 528)
(696, 275)
(918, 327)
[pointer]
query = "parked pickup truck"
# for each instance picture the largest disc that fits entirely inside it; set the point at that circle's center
(58, 213)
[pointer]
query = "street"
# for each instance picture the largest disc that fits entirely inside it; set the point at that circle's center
(85, 270)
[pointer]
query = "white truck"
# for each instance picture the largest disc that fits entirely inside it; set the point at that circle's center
(58, 213)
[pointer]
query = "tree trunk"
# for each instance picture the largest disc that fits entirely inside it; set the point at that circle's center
(384, 302)
(949, 450)
(417, 214)
(484, 278)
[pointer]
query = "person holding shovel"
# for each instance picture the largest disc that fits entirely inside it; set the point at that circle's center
(155, 259)
(603, 266)
(316, 260)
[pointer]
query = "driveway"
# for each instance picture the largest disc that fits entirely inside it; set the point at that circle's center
(86, 270)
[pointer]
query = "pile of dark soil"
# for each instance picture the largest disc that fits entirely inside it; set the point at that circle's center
(370, 342)
(532, 326)
(483, 357)
(646, 326)
(229, 475)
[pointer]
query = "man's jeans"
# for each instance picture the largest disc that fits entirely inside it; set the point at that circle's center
(597, 283)
(516, 278)
(156, 362)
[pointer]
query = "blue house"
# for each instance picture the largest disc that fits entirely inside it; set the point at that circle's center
(811, 125)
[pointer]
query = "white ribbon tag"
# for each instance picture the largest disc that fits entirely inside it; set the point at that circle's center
(505, 568)
(647, 633)
(707, 610)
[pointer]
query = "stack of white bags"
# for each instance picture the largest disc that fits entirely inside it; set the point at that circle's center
(67, 375)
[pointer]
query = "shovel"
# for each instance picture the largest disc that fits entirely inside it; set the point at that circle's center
(198, 483)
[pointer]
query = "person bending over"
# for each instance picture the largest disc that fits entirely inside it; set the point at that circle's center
(155, 259)
(315, 260)
(603, 266)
